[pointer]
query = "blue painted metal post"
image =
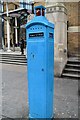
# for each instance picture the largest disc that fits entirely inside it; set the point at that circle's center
(40, 53)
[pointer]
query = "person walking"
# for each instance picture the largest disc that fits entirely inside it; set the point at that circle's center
(22, 46)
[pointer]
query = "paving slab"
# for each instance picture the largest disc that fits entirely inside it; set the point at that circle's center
(15, 97)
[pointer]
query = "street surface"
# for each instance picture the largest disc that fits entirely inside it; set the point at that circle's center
(15, 97)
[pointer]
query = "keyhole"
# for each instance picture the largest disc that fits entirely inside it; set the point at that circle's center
(42, 69)
(33, 56)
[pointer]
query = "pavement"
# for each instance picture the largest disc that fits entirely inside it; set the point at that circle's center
(15, 97)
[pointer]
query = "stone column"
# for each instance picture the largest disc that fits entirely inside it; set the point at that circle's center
(16, 30)
(8, 28)
(57, 13)
(0, 26)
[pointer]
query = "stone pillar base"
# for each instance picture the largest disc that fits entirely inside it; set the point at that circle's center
(59, 64)
(9, 50)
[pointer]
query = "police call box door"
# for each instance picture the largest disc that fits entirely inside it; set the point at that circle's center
(40, 55)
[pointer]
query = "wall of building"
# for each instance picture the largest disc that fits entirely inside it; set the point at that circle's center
(39, 3)
(11, 6)
(73, 28)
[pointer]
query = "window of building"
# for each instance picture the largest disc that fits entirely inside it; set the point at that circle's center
(26, 4)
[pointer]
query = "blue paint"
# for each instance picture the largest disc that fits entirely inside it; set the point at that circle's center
(40, 53)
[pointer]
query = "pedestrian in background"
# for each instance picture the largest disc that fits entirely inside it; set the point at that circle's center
(22, 46)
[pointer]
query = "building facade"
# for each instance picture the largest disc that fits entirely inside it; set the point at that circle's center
(73, 42)
(73, 26)
(64, 15)
(14, 17)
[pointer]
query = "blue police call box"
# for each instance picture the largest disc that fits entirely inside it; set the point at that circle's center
(40, 54)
